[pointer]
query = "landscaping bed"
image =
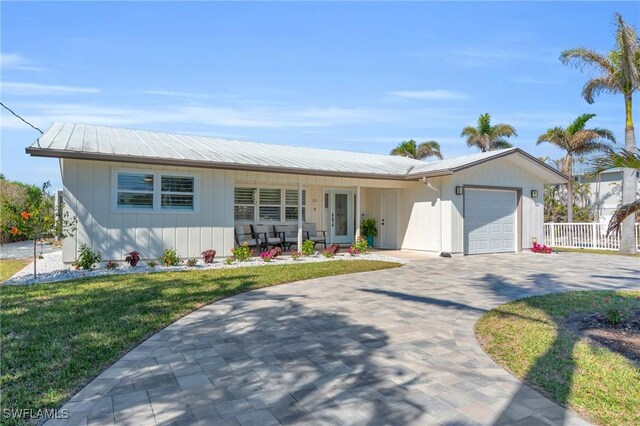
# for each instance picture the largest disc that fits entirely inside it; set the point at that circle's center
(571, 347)
(57, 337)
(51, 268)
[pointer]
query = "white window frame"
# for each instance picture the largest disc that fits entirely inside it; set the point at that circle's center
(157, 191)
(256, 200)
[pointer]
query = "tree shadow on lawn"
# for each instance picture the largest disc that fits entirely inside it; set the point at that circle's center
(553, 373)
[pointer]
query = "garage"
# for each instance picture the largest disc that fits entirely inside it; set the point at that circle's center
(490, 218)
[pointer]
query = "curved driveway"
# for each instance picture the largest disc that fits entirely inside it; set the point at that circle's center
(387, 347)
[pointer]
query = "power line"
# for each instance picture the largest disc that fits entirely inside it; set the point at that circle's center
(25, 121)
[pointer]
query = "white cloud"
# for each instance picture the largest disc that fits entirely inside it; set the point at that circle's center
(14, 61)
(436, 94)
(171, 93)
(250, 117)
(536, 80)
(36, 89)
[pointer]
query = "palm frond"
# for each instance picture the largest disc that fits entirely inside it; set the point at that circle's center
(500, 144)
(579, 123)
(582, 57)
(503, 130)
(620, 215)
(628, 45)
(605, 134)
(622, 159)
(556, 136)
(429, 149)
(598, 85)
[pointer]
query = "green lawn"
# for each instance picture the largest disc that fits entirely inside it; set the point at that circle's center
(592, 251)
(8, 267)
(527, 337)
(55, 337)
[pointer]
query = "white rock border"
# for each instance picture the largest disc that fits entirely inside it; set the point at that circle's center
(25, 276)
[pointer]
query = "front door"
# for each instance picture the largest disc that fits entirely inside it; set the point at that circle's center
(339, 215)
(389, 221)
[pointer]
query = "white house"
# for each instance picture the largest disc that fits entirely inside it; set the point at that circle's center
(147, 191)
(605, 193)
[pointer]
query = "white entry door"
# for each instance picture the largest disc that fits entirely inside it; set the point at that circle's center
(339, 215)
(389, 221)
(489, 221)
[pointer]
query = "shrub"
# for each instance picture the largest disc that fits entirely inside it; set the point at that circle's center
(295, 255)
(229, 260)
(368, 227)
(133, 258)
(614, 311)
(208, 256)
(361, 245)
(307, 247)
(328, 253)
(111, 265)
(275, 252)
(242, 253)
(192, 262)
(87, 257)
(266, 256)
(152, 264)
(170, 257)
(334, 248)
(353, 251)
(541, 248)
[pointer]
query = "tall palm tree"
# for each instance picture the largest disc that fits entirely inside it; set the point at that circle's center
(577, 140)
(619, 74)
(419, 152)
(624, 159)
(486, 137)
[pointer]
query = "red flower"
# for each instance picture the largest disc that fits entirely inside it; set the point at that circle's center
(15, 231)
(25, 215)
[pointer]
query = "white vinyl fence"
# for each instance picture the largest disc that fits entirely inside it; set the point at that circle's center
(583, 235)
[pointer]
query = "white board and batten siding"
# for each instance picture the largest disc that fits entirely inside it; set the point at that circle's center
(88, 196)
(505, 174)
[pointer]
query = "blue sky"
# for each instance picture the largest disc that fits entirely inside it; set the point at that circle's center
(354, 76)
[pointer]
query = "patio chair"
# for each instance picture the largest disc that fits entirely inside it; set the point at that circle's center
(311, 233)
(244, 234)
(267, 238)
(288, 234)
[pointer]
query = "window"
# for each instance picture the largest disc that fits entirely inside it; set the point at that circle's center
(267, 204)
(270, 204)
(291, 205)
(176, 193)
(135, 191)
(244, 204)
(154, 191)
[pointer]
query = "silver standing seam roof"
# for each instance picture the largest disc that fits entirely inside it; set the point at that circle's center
(83, 141)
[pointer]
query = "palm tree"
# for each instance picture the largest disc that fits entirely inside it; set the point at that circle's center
(619, 74)
(486, 137)
(626, 160)
(576, 140)
(411, 149)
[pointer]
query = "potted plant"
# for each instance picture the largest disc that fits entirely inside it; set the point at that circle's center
(368, 230)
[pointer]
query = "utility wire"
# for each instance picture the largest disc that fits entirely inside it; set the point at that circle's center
(25, 121)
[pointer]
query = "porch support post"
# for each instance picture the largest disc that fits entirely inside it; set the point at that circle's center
(299, 216)
(358, 212)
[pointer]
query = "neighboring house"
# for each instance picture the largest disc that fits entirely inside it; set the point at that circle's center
(146, 191)
(605, 193)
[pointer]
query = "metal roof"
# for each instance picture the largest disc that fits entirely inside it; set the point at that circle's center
(82, 141)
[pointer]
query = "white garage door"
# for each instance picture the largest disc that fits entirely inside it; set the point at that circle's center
(489, 221)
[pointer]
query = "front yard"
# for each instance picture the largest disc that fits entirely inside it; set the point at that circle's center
(561, 345)
(8, 267)
(56, 337)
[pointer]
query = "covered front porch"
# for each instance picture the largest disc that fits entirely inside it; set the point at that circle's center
(335, 205)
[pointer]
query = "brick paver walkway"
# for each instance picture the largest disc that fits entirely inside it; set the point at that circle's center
(388, 347)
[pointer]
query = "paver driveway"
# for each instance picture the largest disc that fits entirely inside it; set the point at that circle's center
(387, 347)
